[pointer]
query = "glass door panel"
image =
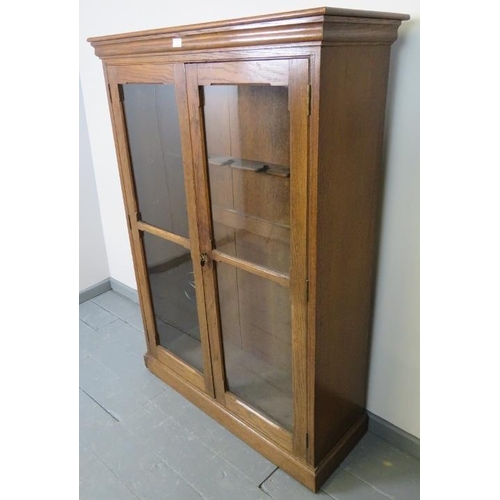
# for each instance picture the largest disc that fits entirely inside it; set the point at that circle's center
(255, 319)
(152, 122)
(247, 136)
(153, 132)
(247, 131)
(172, 289)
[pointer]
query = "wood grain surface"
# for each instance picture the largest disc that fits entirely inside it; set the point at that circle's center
(281, 122)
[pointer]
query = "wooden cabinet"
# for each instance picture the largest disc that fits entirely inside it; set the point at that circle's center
(250, 161)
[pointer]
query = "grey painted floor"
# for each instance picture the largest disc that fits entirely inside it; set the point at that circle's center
(140, 440)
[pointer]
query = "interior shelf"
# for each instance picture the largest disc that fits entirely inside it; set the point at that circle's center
(251, 165)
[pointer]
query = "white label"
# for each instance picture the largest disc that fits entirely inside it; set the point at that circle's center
(176, 42)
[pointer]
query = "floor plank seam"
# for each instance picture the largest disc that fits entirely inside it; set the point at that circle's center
(110, 323)
(134, 327)
(261, 488)
(102, 326)
(90, 326)
(148, 401)
(112, 471)
(270, 474)
(114, 314)
(107, 309)
(394, 447)
(100, 405)
(175, 472)
(215, 452)
(368, 484)
(199, 493)
(122, 319)
(328, 494)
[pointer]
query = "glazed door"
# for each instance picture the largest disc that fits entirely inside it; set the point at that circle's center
(250, 135)
(149, 112)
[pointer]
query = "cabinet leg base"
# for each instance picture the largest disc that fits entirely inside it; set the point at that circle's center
(340, 451)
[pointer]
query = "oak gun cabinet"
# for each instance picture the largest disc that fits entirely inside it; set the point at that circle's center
(249, 153)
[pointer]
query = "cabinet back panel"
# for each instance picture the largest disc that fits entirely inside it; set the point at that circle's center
(268, 137)
(248, 140)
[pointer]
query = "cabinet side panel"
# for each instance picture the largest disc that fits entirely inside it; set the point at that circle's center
(352, 107)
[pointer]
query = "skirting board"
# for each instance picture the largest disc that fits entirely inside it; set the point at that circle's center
(378, 426)
(95, 290)
(124, 290)
(105, 286)
(394, 435)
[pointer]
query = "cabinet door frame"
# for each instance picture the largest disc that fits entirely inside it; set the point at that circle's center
(294, 73)
(163, 73)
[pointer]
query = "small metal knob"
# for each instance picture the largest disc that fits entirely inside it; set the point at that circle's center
(203, 259)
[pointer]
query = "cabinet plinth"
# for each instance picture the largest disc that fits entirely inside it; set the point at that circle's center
(249, 153)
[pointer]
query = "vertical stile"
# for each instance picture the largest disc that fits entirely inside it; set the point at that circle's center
(299, 110)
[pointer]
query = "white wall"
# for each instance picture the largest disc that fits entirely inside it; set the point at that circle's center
(394, 372)
(93, 259)
(394, 384)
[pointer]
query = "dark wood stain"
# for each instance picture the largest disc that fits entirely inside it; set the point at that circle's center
(351, 121)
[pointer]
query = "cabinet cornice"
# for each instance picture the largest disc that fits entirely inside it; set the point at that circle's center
(312, 26)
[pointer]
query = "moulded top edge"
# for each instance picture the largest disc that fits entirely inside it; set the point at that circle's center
(305, 13)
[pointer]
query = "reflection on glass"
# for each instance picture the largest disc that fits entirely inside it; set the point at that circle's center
(248, 143)
(155, 149)
(256, 329)
(171, 281)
